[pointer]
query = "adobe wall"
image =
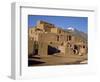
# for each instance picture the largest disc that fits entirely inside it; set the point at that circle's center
(50, 35)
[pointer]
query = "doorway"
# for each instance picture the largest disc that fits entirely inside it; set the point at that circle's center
(52, 50)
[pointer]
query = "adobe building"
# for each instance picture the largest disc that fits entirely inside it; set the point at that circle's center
(46, 39)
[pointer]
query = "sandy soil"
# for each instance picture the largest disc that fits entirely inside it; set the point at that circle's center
(57, 60)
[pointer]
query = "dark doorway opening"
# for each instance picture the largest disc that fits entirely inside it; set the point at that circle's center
(35, 48)
(76, 49)
(52, 50)
(35, 52)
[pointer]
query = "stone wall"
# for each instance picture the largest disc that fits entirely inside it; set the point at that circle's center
(47, 34)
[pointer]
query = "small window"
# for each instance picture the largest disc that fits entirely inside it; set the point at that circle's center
(70, 38)
(62, 44)
(57, 38)
(50, 42)
(83, 46)
(59, 31)
(67, 38)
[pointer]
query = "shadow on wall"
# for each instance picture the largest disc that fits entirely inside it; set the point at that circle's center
(52, 50)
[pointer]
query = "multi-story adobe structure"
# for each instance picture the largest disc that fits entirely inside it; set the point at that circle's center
(47, 39)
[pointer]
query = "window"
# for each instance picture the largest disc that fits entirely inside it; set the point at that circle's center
(57, 38)
(50, 42)
(67, 38)
(83, 46)
(70, 37)
(59, 31)
(62, 44)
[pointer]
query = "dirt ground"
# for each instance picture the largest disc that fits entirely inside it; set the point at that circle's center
(57, 60)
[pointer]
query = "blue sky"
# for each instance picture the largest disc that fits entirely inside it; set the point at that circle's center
(79, 23)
